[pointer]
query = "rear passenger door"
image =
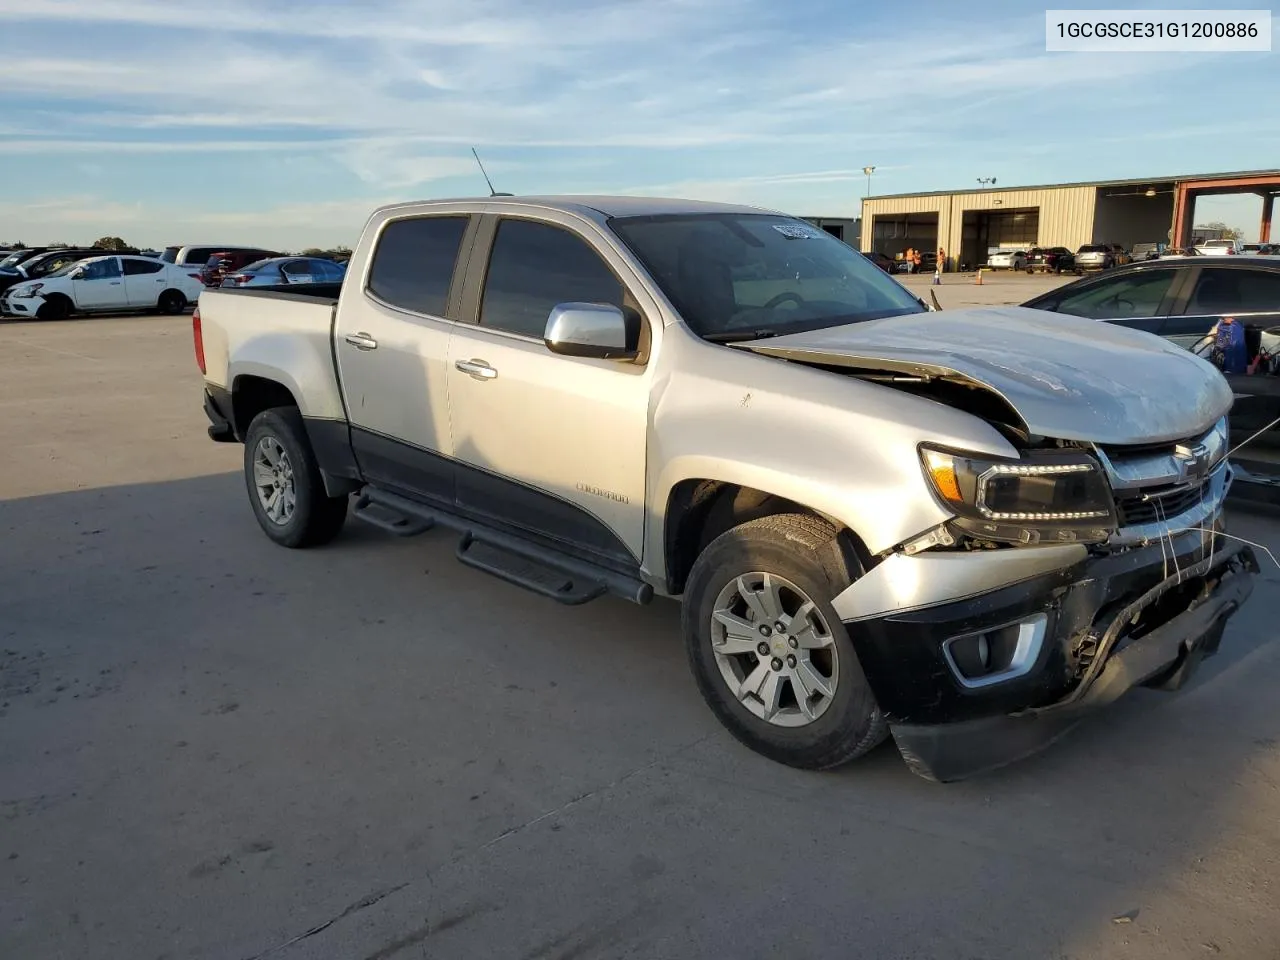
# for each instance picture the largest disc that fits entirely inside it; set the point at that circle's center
(144, 281)
(550, 445)
(1248, 293)
(299, 271)
(391, 341)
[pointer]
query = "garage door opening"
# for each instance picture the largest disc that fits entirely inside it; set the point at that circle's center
(893, 233)
(983, 232)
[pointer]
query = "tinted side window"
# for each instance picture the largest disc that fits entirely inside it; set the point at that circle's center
(1134, 295)
(413, 264)
(134, 268)
(198, 256)
(535, 266)
(1224, 291)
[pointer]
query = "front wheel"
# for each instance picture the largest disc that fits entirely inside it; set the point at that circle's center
(769, 654)
(285, 486)
(56, 307)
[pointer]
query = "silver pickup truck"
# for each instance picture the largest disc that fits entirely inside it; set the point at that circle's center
(967, 529)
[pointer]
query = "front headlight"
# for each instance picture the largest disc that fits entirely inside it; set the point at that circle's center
(1049, 495)
(26, 293)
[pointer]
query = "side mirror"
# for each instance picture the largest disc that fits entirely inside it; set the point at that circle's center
(77, 274)
(596, 330)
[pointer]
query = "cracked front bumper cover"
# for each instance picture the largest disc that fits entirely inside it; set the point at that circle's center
(1180, 603)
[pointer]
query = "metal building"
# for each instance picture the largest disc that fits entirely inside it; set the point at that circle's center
(967, 224)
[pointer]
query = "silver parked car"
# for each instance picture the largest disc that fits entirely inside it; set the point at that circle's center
(279, 271)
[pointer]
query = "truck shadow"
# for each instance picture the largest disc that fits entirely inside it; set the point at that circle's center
(189, 713)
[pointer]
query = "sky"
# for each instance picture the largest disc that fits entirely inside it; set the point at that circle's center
(285, 123)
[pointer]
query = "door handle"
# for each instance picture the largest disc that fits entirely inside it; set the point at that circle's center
(115, 283)
(477, 369)
(361, 341)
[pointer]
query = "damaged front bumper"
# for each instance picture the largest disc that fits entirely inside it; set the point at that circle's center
(1068, 633)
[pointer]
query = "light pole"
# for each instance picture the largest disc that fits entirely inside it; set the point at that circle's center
(868, 171)
(987, 181)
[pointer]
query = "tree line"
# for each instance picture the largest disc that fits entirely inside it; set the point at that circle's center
(117, 245)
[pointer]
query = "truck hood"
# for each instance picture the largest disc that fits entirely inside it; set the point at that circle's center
(1065, 377)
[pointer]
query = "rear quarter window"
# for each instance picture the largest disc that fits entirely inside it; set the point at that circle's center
(199, 256)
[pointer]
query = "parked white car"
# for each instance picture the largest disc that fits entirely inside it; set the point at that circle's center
(1220, 248)
(102, 285)
(1008, 260)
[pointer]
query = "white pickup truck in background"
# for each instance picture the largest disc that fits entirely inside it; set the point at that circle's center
(1220, 248)
(968, 529)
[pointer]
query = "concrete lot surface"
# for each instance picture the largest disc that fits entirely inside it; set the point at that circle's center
(212, 748)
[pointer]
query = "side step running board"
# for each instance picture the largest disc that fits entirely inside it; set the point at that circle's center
(389, 520)
(543, 580)
(518, 561)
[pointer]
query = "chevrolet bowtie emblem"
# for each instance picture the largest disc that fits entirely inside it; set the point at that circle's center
(1192, 460)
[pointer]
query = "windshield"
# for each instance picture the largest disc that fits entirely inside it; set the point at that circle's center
(170, 254)
(744, 276)
(11, 260)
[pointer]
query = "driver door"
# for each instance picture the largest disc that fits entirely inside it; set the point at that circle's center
(100, 286)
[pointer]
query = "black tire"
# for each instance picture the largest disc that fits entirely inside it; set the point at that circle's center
(57, 307)
(1031, 271)
(172, 302)
(316, 518)
(804, 550)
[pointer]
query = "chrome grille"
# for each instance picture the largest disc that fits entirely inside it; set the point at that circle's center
(1157, 505)
(1161, 488)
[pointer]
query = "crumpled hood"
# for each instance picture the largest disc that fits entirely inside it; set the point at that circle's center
(1068, 378)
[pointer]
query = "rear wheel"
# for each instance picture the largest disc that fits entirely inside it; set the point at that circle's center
(172, 302)
(284, 482)
(768, 652)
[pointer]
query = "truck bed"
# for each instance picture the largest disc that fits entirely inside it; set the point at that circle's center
(284, 336)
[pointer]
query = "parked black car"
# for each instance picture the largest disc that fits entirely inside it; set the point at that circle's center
(887, 264)
(1051, 260)
(11, 259)
(47, 262)
(1181, 300)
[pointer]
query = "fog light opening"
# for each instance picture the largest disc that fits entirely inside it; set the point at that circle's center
(998, 654)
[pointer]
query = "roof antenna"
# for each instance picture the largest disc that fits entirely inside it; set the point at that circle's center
(492, 192)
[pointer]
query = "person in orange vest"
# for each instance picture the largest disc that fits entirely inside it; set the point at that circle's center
(907, 256)
(916, 259)
(942, 260)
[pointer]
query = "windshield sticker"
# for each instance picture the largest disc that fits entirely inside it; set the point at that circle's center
(796, 231)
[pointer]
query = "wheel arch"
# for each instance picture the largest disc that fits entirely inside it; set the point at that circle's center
(251, 394)
(699, 509)
(55, 298)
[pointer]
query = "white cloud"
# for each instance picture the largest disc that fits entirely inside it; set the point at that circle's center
(739, 99)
